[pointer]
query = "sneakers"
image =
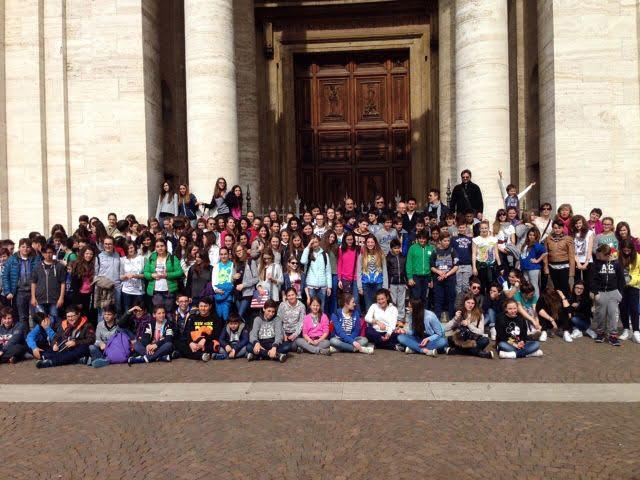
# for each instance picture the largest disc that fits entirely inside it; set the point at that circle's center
(503, 354)
(636, 336)
(137, 359)
(206, 357)
(44, 364)
(431, 353)
(100, 362)
(566, 336)
(450, 351)
(251, 356)
(400, 348)
(325, 351)
(408, 351)
(600, 337)
(614, 340)
(591, 333)
(625, 334)
(368, 350)
(492, 334)
(175, 354)
(486, 354)
(543, 336)
(576, 333)
(299, 350)
(84, 361)
(282, 357)
(333, 349)
(537, 353)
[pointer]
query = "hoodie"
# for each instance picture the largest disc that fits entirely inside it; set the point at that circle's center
(82, 332)
(13, 335)
(266, 330)
(236, 340)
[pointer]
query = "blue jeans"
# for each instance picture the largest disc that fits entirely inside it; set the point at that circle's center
(338, 344)
(490, 317)
(95, 352)
(445, 296)
(223, 355)
(164, 349)
(51, 309)
(243, 307)
(421, 288)
(331, 305)
(528, 349)
(369, 293)
(580, 323)
(321, 293)
(22, 306)
(413, 343)
(375, 337)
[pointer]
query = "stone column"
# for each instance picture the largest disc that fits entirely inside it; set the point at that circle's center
(447, 93)
(482, 95)
(212, 124)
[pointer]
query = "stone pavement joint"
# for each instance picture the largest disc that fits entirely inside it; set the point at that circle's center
(323, 391)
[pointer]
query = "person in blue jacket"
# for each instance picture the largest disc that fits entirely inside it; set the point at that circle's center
(425, 334)
(16, 279)
(40, 339)
(346, 329)
(233, 339)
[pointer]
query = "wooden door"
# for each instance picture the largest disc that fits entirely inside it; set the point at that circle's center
(352, 125)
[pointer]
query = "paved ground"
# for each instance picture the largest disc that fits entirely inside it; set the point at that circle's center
(321, 440)
(580, 362)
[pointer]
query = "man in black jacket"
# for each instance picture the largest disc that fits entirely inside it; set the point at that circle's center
(48, 281)
(466, 195)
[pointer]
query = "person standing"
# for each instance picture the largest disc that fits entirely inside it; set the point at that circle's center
(435, 206)
(16, 279)
(48, 283)
(167, 202)
(466, 195)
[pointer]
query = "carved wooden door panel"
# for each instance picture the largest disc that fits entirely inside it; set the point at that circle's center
(352, 124)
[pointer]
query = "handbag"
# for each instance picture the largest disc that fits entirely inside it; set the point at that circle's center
(258, 300)
(463, 337)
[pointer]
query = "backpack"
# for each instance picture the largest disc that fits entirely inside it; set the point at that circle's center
(118, 348)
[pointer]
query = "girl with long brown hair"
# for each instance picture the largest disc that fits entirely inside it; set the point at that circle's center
(468, 330)
(371, 268)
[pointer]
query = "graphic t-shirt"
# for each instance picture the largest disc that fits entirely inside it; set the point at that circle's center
(485, 249)
(161, 268)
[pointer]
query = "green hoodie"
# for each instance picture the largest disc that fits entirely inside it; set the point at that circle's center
(419, 260)
(174, 272)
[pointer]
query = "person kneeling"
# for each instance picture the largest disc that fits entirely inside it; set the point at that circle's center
(265, 339)
(425, 334)
(511, 334)
(346, 329)
(234, 339)
(199, 339)
(157, 340)
(70, 343)
(12, 342)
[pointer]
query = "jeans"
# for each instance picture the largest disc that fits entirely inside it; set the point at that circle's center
(164, 349)
(375, 337)
(462, 278)
(445, 296)
(51, 309)
(223, 355)
(128, 300)
(338, 344)
(331, 305)
(307, 347)
(580, 323)
(481, 344)
(243, 306)
(14, 350)
(490, 318)
(266, 344)
(95, 352)
(320, 292)
(166, 300)
(22, 306)
(528, 349)
(629, 308)
(369, 293)
(398, 297)
(68, 356)
(421, 288)
(413, 343)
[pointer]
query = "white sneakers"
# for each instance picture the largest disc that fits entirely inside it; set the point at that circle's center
(625, 334)
(368, 350)
(591, 333)
(543, 336)
(333, 349)
(636, 336)
(492, 334)
(576, 333)
(537, 353)
(566, 336)
(408, 351)
(503, 354)
(431, 353)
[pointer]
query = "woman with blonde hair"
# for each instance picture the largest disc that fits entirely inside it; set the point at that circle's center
(187, 204)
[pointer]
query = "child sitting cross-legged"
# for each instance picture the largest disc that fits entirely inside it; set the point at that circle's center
(265, 339)
(234, 339)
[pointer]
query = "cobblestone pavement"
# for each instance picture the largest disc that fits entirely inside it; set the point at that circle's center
(580, 362)
(340, 440)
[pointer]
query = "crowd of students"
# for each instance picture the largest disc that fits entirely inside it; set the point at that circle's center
(207, 281)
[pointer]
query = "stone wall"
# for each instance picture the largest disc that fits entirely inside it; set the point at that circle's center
(82, 111)
(590, 106)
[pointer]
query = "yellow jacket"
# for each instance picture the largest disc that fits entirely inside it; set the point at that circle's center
(634, 273)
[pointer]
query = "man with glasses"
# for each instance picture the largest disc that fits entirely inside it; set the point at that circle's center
(475, 287)
(467, 195)
(379, 207)
(48, 282)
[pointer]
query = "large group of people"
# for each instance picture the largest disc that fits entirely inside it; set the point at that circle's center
(212, 281)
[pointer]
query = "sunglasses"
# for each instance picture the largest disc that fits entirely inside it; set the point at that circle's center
(546, 208)
(293, 263)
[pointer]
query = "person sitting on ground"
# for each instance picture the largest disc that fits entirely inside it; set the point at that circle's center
(491, 307)
(40, 338)
(265, 339)
(135, 321)
(315, 330)
(106, 329)
(12, 341)
(234, 339)
(581, 314)
(475, 287)
(425, 334)
(292, 313)
(382, 319)
(553, 313)
(526, 299)
(199, 339)
(511, 334)
(468, 331)
(71, 341)
(347, 325)
(157, 342)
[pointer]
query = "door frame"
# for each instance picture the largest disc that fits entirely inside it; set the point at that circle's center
(281, 73)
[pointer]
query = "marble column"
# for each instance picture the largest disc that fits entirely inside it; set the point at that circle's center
(482, 95)
(212, 122)
(447, 93)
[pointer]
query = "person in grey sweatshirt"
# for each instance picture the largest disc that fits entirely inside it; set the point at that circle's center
(12, 341)
(105, 330)
(265, 339)
(292, 313)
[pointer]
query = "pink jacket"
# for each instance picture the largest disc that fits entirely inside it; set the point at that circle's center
(316, 331)
(347, 264)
